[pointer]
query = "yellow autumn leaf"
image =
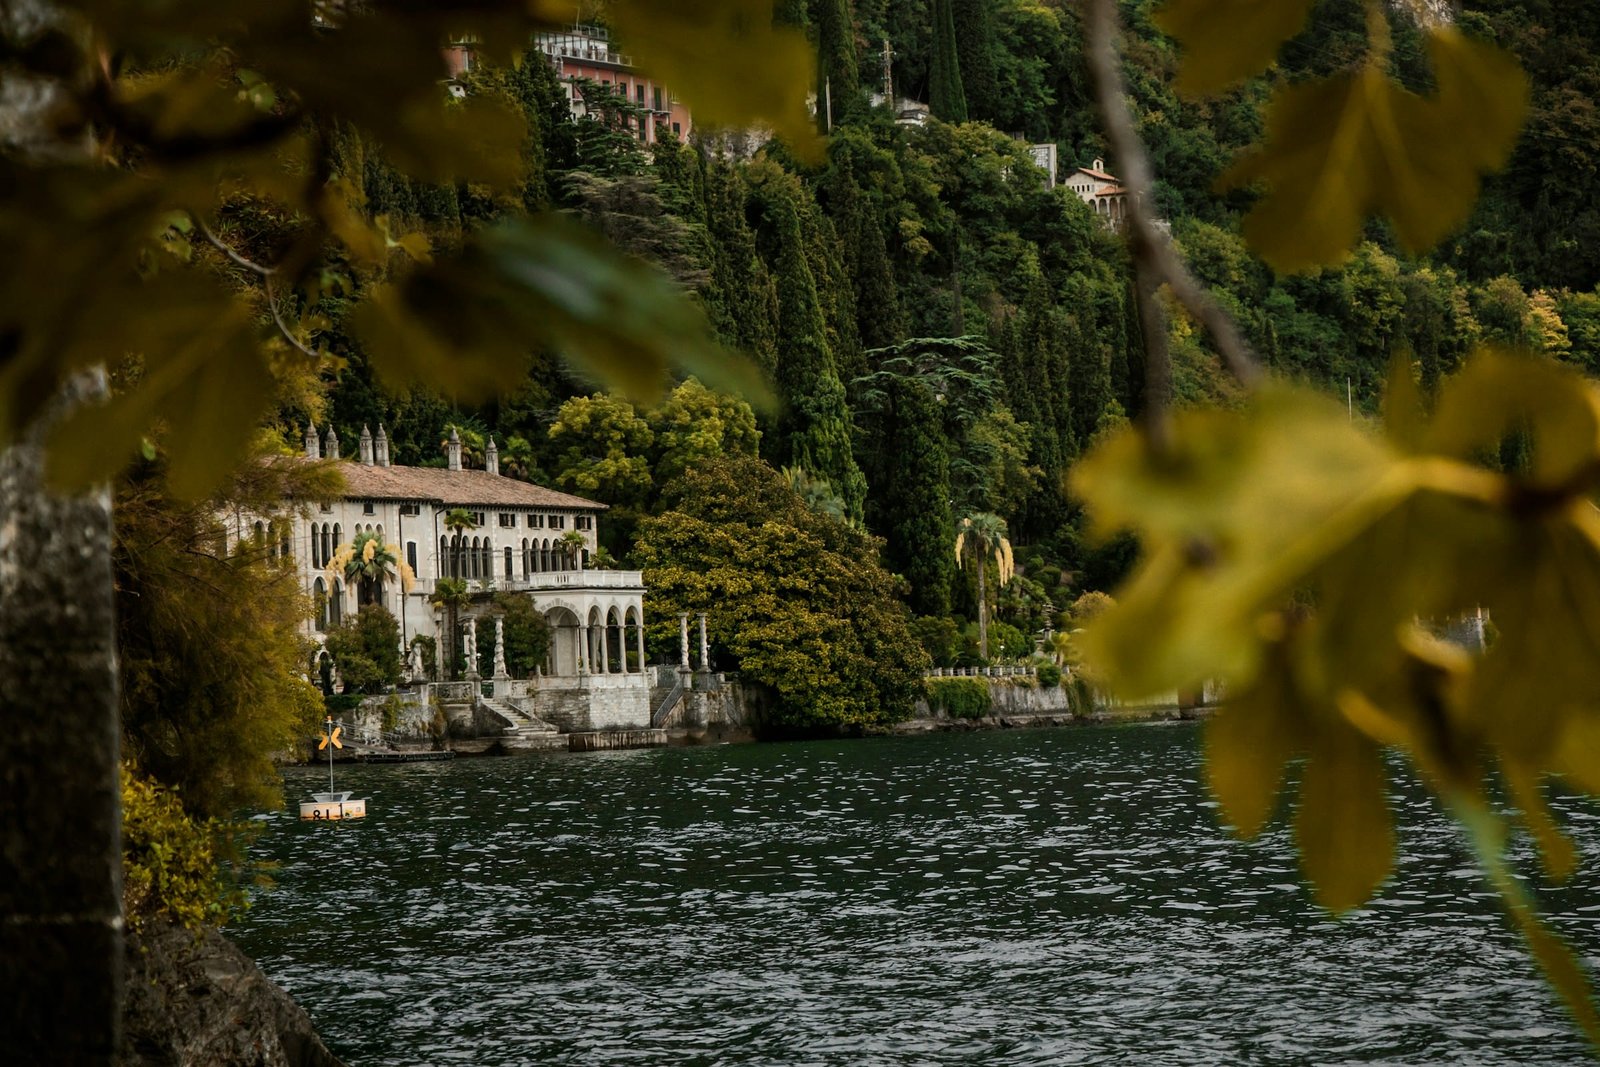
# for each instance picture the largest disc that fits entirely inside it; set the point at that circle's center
(1227, 40)
(1342, 825)
(1339, 150)
(1499, 390)
(728, 60)
(1247, 744)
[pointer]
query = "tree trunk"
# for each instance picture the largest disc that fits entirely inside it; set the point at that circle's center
(60, 810)
(60, 801)
(983, 606)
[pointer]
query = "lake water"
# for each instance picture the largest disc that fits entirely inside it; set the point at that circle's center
(1038, 897)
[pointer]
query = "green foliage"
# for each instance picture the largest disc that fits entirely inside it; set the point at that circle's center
(209, 635)
(171, 866)
(696, 424)
(215, 329)
(525, 633)
(366, 648)
(837, 75)
(795, 600)
(958, 698)
(1049, 676)
(945, 93)
(601, 448)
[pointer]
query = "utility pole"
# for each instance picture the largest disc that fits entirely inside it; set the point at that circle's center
(827, 102)
(888, 74)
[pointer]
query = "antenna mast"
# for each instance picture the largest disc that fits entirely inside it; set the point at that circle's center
(888, 74)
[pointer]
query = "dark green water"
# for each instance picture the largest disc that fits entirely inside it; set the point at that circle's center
(1044, 897)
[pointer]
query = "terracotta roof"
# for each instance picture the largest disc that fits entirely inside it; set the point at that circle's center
(1091, 172)
(452, 488)
(1110, 190)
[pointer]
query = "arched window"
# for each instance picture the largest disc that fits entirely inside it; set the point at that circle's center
(487, 561)
(327, 544)
(319, 595)
(508, 563)
(338, 539)
(444, 557)
(475, 558)
(336, 603)
(525, 559)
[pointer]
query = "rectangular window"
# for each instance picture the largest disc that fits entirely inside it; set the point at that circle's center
(657, 99)
(641, 92)
(558, 522)
(477, 517)
(411, 509)
(411, 556)
(535, 522)
(507, 519)
(677, 130)
(327, 509)
(367, 508)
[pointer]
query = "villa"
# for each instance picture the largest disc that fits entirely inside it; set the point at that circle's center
(524, 539)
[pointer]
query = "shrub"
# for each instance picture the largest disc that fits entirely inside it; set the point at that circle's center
(1049, 676)
(959, 698)
(170, 863)
(366, 647)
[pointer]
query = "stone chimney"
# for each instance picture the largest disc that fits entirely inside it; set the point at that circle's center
(491, 457)
(313, 447)
(330, 444)
(383, 446)
(366, 447)
(453, 450)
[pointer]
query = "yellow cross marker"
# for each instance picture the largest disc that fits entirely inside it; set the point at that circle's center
(334, 737)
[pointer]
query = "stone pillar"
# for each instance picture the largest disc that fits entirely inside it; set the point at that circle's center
(500, 649)
(583, 648)
(638, 634)
(683, 641)
(472, 650)
(705, 650)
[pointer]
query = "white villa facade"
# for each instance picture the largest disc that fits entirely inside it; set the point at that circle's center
(595, 676)
(1101, 191)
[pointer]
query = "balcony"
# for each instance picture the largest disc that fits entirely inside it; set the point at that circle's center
(586, 579)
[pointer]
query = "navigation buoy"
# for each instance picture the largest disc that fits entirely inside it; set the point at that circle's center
(331, 806)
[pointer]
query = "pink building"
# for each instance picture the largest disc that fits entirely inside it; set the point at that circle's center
(586, 52)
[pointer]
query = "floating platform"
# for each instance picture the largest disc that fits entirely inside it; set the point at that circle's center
(332, 807)
(403, 757)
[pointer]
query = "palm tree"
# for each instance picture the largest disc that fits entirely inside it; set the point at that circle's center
(983, 537)
(574, 542)
(452, 595)
(367, 562)
(457, 521)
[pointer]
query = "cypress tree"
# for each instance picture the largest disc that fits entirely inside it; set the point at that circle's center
(975, 48)
(916, 494)
(814, 428)
(741, 301)
(838, 75)
(1044, 371)
(879, 320)
(945, 94)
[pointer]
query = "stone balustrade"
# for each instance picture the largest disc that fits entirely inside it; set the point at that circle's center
(982, 672)
(545, 580)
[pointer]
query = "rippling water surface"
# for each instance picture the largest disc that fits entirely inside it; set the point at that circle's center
(1044, 897)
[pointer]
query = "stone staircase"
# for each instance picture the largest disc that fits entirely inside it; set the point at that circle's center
(517, 721)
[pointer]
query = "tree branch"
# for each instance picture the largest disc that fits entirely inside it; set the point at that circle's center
(266, 275)
(1152, 249)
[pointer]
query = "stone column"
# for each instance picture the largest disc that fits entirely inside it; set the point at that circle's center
(638, 634)
(472, 650)
(500, 649)
(683, 641)
(583, 648)
(705, 651)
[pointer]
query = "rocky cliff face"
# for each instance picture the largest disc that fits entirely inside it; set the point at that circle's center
(194, 999)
